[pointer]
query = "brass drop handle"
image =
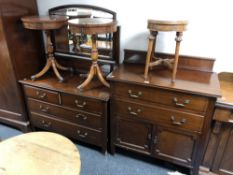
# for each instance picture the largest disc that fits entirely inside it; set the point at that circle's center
(46, 124)
(83, 117)
(133, 112)
(80, 105)
(44, 109)
(175, 100)
(156, 140)
(132, 95)
(178, 123)
(41, 96)
(82, 135)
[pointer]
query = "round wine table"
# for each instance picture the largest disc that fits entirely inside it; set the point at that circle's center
(38, 153)
(93, 27)
(47, 24)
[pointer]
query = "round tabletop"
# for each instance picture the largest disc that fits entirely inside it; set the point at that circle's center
(44, 22)
(167, 25)
(92, 25)
(38, 153)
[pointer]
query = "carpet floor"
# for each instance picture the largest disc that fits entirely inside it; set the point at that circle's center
(93, 162)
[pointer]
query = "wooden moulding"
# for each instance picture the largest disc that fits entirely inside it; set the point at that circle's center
(185, 62)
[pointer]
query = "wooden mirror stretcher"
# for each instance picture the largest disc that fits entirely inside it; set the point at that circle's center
(93, 27)
(156, 26)
(47, 23)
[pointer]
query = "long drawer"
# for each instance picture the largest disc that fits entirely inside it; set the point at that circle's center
(82, 103)
(168, 117)
(42, 94)
(66, 128)
(165, 97)
(76, 116)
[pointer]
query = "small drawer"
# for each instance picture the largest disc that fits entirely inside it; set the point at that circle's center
(83, 103)
(157, 115)
(42, 94)
(177, 100)
(78, 117)
(66, 128)
(224, 115)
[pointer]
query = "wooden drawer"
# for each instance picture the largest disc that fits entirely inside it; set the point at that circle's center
(42, 94)
(225, 115)
(82, 103)
(66, 128)
(161, 116)
(78, 117)
(175, 99)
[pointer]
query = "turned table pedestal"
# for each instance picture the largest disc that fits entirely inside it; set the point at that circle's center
(47, 23)
(93, 27)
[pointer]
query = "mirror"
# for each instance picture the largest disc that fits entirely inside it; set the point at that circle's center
(79, 45)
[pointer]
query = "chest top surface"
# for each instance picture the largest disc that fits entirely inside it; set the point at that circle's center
(188, 81)
(226, 84)
(94, 90)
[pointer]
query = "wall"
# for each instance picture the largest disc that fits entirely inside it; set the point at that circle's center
(209, 34)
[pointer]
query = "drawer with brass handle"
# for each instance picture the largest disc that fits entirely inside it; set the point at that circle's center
(68, 129)
(42, 94)
(158, 115)
(78, 117)
(188, 102)
(82, 103)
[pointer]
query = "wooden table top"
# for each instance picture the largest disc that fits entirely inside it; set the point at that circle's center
(38, 153)
(167, 25)
(92, 25)
(226, 85)
(44, 22)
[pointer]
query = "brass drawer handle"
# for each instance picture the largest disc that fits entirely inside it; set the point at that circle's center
(178, 123)
(83, 117)
(156, 140)
(41, 95)
(175, 100)
(132, 95)
(44, 109)
(133, 112)
(46, 124)
(80, 105)
(85, 134)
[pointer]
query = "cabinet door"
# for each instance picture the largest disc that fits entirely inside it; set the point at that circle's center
(133, 134)
(174, 146)
(223, 162)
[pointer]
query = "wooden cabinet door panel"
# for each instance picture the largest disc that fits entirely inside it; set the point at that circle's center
(174, 146)
(223, 163)
(133, 134)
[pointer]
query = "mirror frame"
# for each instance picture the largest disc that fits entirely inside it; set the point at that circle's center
(113, 60)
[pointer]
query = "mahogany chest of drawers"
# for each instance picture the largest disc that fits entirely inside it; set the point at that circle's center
(62, 108)
(164, 120)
